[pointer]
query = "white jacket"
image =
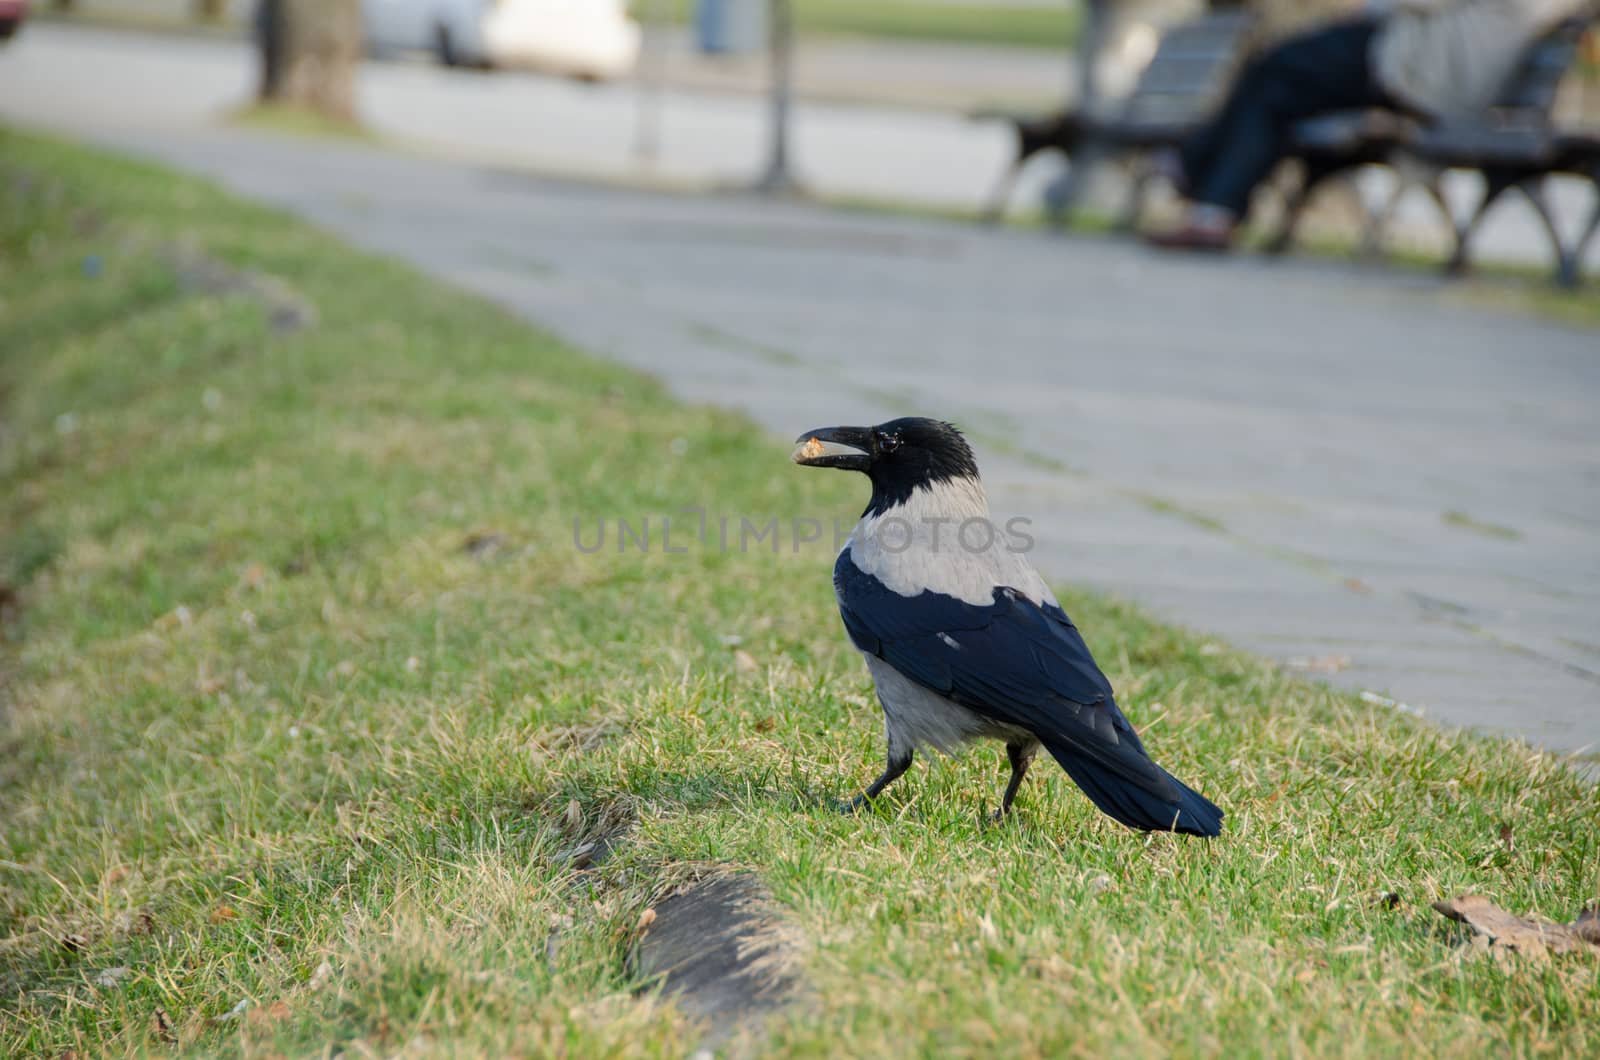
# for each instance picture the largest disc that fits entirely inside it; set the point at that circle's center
(1447, 58)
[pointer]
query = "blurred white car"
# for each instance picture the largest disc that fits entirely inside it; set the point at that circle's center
(581, 38)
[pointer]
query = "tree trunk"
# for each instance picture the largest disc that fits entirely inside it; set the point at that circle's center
(309, 52)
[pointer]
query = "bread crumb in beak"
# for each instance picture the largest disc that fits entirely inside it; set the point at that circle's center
(810, 450)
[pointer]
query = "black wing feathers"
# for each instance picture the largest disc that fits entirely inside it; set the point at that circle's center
(1025, 665)
(1011, 660)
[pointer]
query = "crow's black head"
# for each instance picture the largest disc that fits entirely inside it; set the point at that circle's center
(899, 456)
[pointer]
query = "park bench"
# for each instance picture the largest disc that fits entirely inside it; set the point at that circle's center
(1186, 78)
(1513, 145)
(1516, 145)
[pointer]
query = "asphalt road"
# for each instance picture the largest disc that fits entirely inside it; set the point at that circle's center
(1344, 468)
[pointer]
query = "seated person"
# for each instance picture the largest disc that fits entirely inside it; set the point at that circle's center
(1433, 60)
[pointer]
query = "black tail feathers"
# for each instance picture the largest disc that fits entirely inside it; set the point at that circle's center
(1130, 804)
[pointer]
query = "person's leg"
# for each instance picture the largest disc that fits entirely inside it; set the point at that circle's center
(1199, 151)
(1312, 74)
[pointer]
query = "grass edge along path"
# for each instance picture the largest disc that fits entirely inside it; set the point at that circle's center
(1053, 28)
(318, 719)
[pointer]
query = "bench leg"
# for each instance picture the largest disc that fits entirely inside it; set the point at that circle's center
(1000, 197)
(1138, 192)
(1580, 248)
(1032, 139)
(1434, 186)
(1408, 173)
(1534, 191)
(1313, 175)
(1377, 224)
(1063, 194)
(1497, 184)
(1406, 176)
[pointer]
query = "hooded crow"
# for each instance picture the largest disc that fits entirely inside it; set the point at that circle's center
(963, 638)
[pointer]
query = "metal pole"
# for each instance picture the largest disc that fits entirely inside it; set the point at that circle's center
(1096, 20)
(271, 30)
(778, 180)
(1068, 186)
(652, 78)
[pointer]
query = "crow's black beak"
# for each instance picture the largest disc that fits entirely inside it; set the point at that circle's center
(848, 448)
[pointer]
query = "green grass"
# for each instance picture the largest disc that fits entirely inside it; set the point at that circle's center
(1034, 26)
(1200, 520)
(274, 735)
(1463, 521)
(300, 121)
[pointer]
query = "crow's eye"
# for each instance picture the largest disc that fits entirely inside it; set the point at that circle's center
(888, 443)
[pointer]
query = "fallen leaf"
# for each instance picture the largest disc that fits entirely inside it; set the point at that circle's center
(646, 918)
(73, 941)
(133, 922)
(223, 913)
(161, 1027)
(1495, 929)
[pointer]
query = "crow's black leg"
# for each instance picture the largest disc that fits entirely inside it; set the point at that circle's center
(1020, 753)
(891, 773)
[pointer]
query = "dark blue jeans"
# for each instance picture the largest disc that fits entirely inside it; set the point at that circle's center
(1314, 73)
